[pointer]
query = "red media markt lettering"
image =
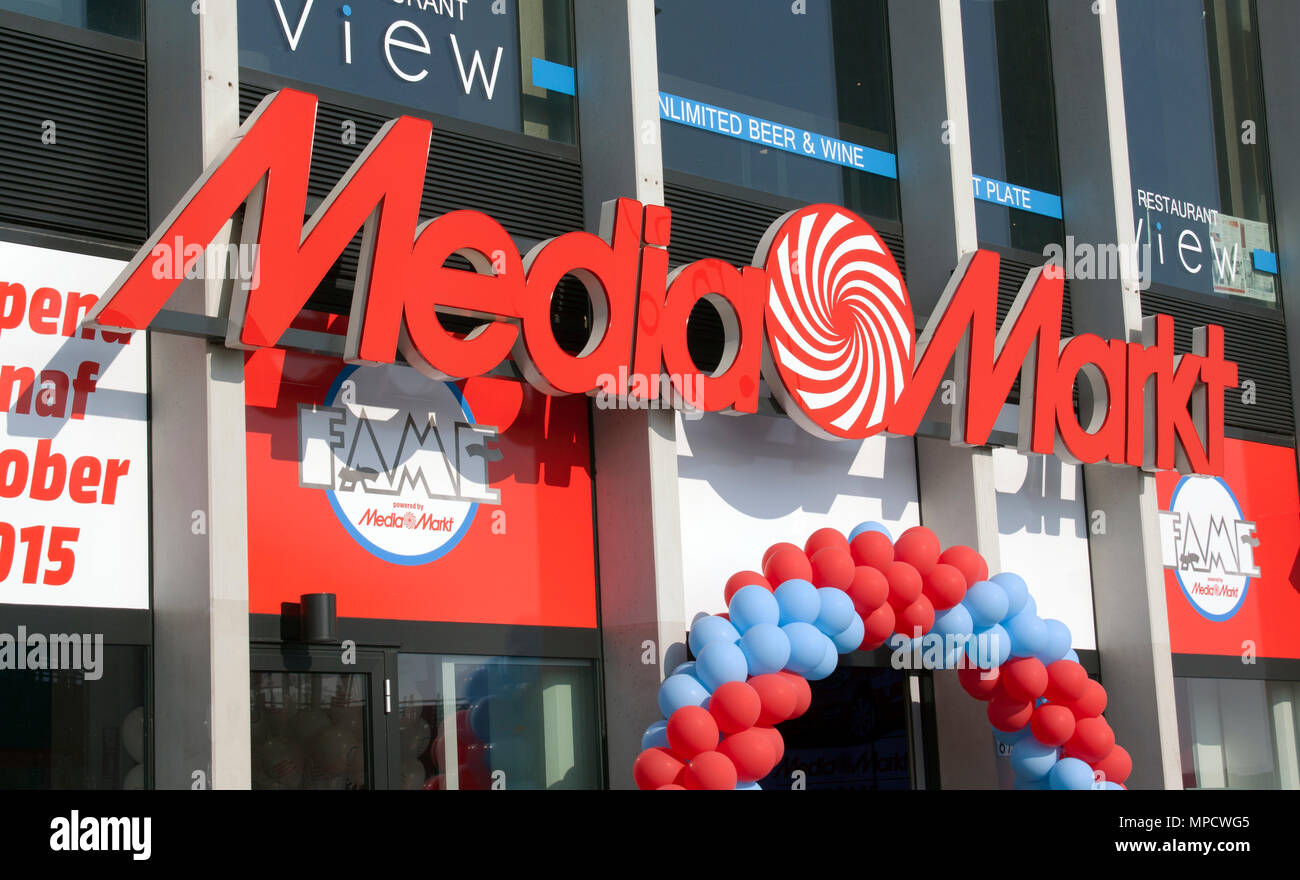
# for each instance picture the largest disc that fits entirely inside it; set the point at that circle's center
(823, 315)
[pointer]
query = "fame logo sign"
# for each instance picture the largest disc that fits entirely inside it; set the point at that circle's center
(401, 460)
(1210, 545)
(822, 315)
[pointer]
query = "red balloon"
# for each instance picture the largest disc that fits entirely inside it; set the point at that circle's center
(672, 786)
(802, 692)
(966, 560)
(751, 753)
(655, 767)
(742, 579)
(868, 590)
(1092, 702)
(1007, 714)
(735, 706)
(944, 586)
(776, 548)
(981, 684)
(918, 547)
(1092, 741)
(691, 730)
(872, 548)
(786, 565)
(1024, 678)
(917, 616)
(777, 696)
(823, 538)
(832, 567)
(1066, 681)
(1052, 725)
(1116, 766)
(904, 584)
(775, 741)
(709, 771)
(877, 626)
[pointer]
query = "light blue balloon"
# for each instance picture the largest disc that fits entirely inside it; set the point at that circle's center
(1031, 760)
(1108, 785)
(1010, 738)
(836, 613)
(850, 639)
(956, 621)
(989, 647)
(719, 663)
(1031, 784)
(1016, 589)
(799, 602)
(986, 602)
(1057, 643)
(655, 736)
(1072, 655)
(870, 526)
(687, 668)
(678, 691)
(748, 786)
(807, 647)
(828, 663)
(753, 604)
(711, 629)
(1070, 774)
(1028, 633)
(766, 648)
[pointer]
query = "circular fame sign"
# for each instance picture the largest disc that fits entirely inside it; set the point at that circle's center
(1210, 545)
(838, 322)
(400, 459)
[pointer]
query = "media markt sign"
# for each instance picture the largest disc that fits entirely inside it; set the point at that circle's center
(1210, 545)
(401, 460)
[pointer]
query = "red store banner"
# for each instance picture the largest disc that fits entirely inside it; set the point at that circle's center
(414, 499)
(1230, 549)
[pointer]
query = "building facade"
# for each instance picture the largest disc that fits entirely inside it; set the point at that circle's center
(259, 565)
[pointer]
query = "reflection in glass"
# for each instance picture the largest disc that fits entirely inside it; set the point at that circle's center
(121, 18)
(1012, 114)
(508, 722)
(856, 738)
(60, 731)
(825, 70)
(1237, 733)
(309, 731)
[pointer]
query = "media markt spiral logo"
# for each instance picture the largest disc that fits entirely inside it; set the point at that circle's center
(838, 320)
(400, 458)
(1207, 541)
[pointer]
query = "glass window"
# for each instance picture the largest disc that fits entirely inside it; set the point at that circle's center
(509, 722)
(792, 99)
(513, 71)
(120, 18)
(309, 731)
(74, 728)
(854, 737)
(1012, 114)
(1238, 733)
(1197, 146)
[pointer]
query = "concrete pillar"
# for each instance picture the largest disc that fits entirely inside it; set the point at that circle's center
(638, 526)
(200, 566)
(938, 207)
(1127, 578)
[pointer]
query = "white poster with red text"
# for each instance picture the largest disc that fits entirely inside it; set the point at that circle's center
(74, 467)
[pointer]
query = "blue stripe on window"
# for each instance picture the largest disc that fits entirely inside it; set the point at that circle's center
(553, 77)
(999, 192)
(1265, 261)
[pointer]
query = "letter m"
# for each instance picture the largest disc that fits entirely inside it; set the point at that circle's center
(987, 358)
(266, 167)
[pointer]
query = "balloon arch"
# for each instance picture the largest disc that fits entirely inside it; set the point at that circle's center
(788, 626)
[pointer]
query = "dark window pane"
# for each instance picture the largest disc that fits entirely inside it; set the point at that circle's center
(1012, 113)
(120, 18)
(61, 730)
(309, 731)
(823, 72)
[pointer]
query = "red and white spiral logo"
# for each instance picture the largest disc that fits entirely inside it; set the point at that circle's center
(840, 338)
